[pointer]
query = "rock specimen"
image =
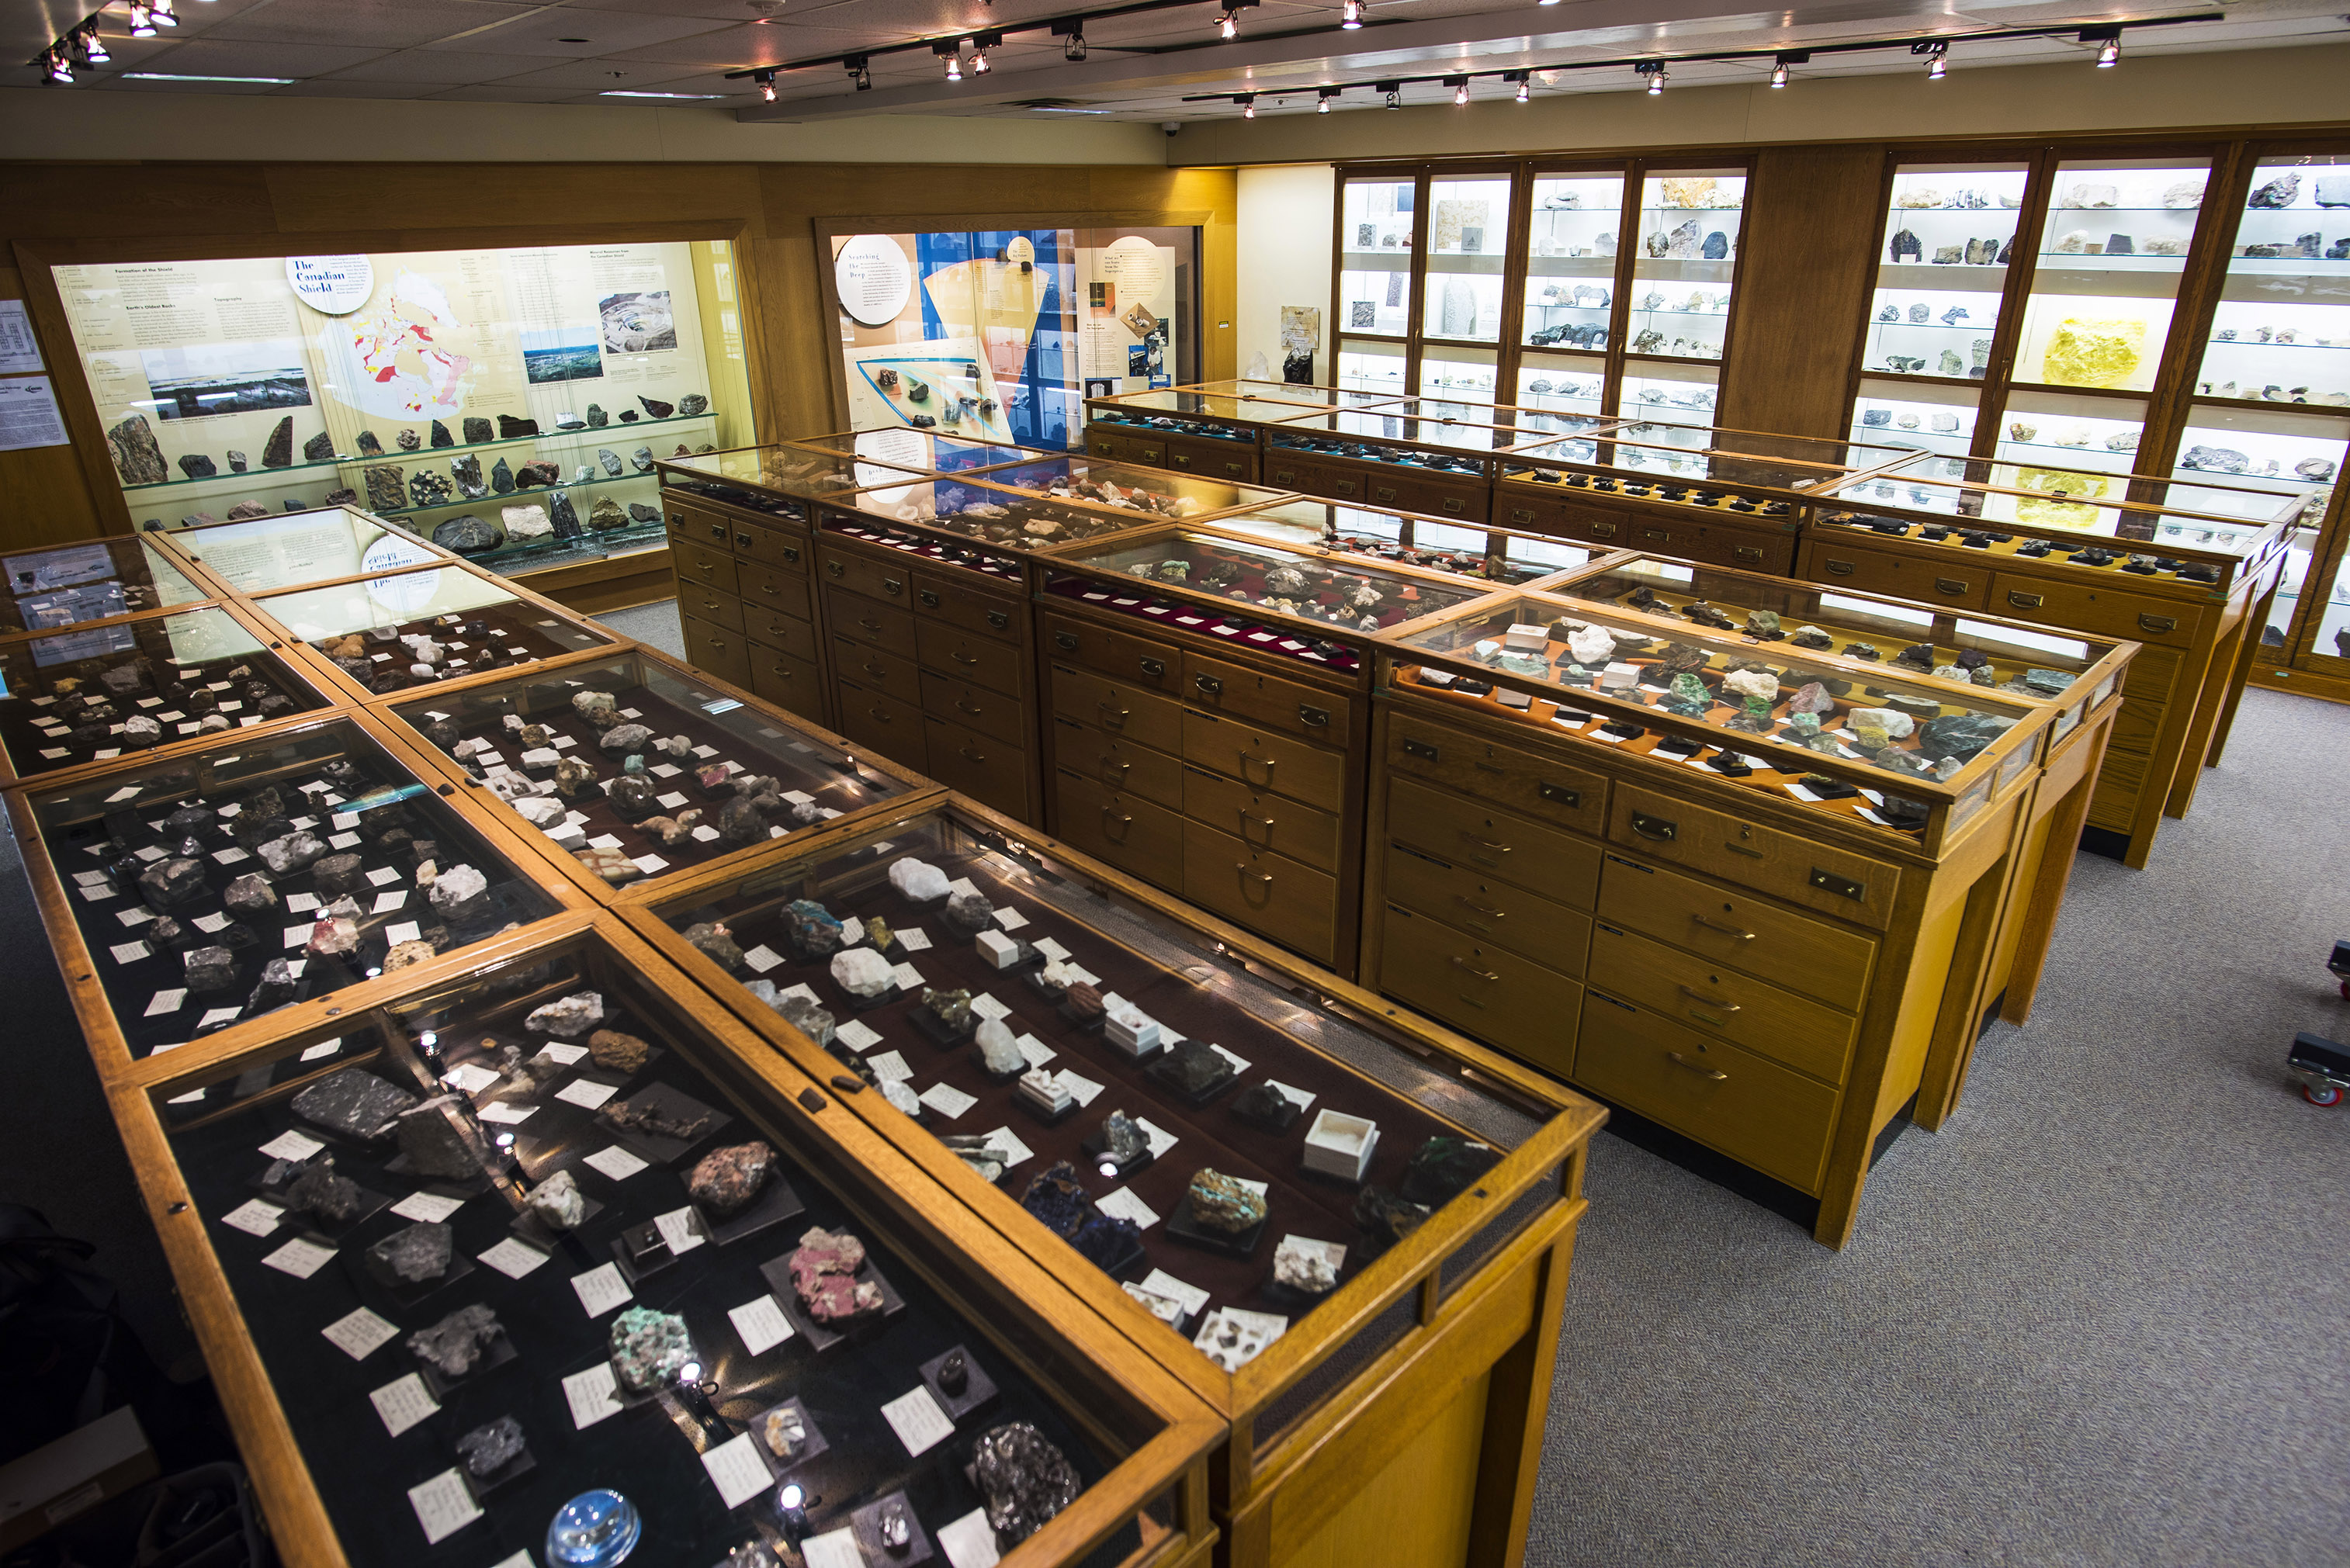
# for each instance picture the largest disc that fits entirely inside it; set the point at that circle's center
(716, 943)
(385, 490)
(561, 516)
(538, 473)
(277, 452)
(2094, 353)
(1387, 1217)
(951, 1008)
(861, 971)
(969, 913)
(1303, 1266)
(784, 1432)
(621, 739)
(459, 893)
(412, 1256)
(824, 1276)
(355, 1103)
(136, 458)
(648, 1348)
(466, 472)
(808, 1017)
(491, 1447)
(2278, 192)
(726, 1179)
(612, 864)
(325, 1193)
(1445, 1166)
(1891, 721)
(568, 1017)
(1024, 1480)
(453, 1345)
(999, 1051)
(513, 429)
(401, 955)
(558, 1201)
(695, 402)
(197, 465)
(607, 515)
(1960, 735)
(739, 822)
(406, 441)
(918, 881)
(1221, 1203)
(466, 534)
(319, 448)
(619, 1053)
(168, 884)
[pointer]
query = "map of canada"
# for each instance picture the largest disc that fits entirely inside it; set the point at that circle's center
(396, 358)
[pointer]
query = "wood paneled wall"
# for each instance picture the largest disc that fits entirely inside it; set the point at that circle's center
(64, 212)
(1804, 281)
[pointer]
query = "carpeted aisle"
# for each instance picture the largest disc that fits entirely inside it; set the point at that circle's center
(2096, 1319)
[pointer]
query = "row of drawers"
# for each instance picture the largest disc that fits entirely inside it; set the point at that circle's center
(1754, 544)
(1469, 498)
(2097, 610)
(1233, 461)
(934, 695)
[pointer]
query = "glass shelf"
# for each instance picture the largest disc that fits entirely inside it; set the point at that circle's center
(1499, 555)
(2281, 332)
(398, 454)
(287, 549)
(1688, 224)
(2099, 315)
(1468, 230)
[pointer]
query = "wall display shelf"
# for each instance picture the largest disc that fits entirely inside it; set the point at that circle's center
(2113, 248)
(1376, 301)
(166, 683)
(292, 549)
(1651, 874)
(1331, 1218)
(542, 744)
(196, 894)
(94, 580)
(451, 1299)
(1941, 276)
(1210, 700)
(2134, 568)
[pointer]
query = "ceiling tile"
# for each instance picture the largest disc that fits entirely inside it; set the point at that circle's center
(596, 76)
(542, 32)
(447, 67)
(381, 24)
(211, 57)
(332, 87)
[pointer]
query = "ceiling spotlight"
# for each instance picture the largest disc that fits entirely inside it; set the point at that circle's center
(1653, 73)
(1072, 34)
(1932, 52)
(93, 46)
(767, 80)
(1394, 91)
(1350, 15)
(859, 72)
(163, 15)
(979, 61)
(1325, 94)
(1247, 101)
(142, 21)
(2109, 45)
(1525, 87)
(57, 67)
(1228, 24)
(952, 55)
(1460, 86)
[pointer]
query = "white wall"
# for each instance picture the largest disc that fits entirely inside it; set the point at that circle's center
(1286, 211)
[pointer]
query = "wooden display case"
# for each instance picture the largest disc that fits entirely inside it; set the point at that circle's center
(1210, 730)
(1211, 431)
(1771, 942)
(2188, 570)
(95, 580)
(1506, 558)
(302, 1345)
(1439, 458)
(295, 550)
(1399, 1418)
(1179, 493)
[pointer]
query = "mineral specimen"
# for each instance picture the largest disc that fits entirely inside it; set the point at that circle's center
(621, 739)
(2103, 352)
(568, 1017)
(323, 1192)
(1122, 1141)
(291, 853)
(357, 1104)
(453, 1345)
(784, 1431)
(951, 1008)
(1304, 1266)
(136, 458)
(739, 822)
(918, 881)
(969, 913)
(1387, 1217)
(619, 1053)
(412, 1256)
(861, 971)
(558, 1201)
(1221, 1203)
(1444, 1167)
(491, 1447)
(648, 1348)
(727, 1180)
(167, 884)
(277, 452)
(716, 943)
(459, 893)
(1024, 1480)
(613, 865)
(810, 1018)
(824, 1276)
(999, 1051)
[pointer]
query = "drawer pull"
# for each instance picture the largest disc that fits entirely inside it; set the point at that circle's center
(1742, 849)
(1661, 536)
(880, 716)
(1209, 684)
(1105, 763)
(1312, 717)
(2157, 624)
(1838, 569)
(999, 619)
(718, 531)
(870, 624)
(1700, 1068)
(833, 568)
(1487, 910)
(781, 671)
(1570, 798)
(1114, 717)
(1708, 1000)
(892, 586)
(961, 657)
(1119, 817)
(704, 568)
(2024, 601)
(1154, 667)
(677, 520)
(1455, 505)
(718, 642)
(971, 756)
(876, 671)
(1485, 843)
(963, 707)
(1235, 468)
(1066, 641)
(1465, 967)
(1342, 486)
(1420, 749)
(743, 541)
(1655, 827)
(1950, 585)
(1263, 877)
(1284, 475)
(930, 600)
(710, 607)
(791, 553)
(1264, 822)
(1384, 492)
(1521, 515)
(1731, 931)
(767, 588)
(1750, 553)
(1267, 763)
(1828, 881)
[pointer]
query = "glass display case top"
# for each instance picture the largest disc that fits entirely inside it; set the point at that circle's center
(1173, 1116)
(1097, 482)
(1493, 555)
(282, 867)
(1684, 463)
(639, 770)
(1854, 732)
(742, 1354)
(921, 451)
(774, 479)
(1419, 432)
(129, 686)
(937, 518)
(1249, 593)
(90, 579)
(1304, 394)
(287, 549)
(413, 629)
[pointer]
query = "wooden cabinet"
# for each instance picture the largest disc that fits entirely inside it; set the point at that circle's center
(744, 601)
(1710, 534)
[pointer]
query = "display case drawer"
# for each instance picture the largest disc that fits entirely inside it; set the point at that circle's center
(1738, 928)
(769, 547)
(1132, 834)
(991, 713)
(719, 649)
(1759, 545)
(878, 669)
(698, 566)
(1227, 460)
(2102, 611)
(951, 651)
(1526, 923)
(785, 679)
(1125, 449)
(887, 581)
(1153, 664)
(890, 727)
(1497, 996)
(1284, 472)
(1747, 1107)
(1272, 895)
(981, 767)
(957, 602)
(1946, 579)
(765, 589)
(1783, 865)
(691, 525)
(1544, 789)
(718, 609)
(1468, 500)
(793, 635)
(1265, 761)
(1544, 511)
(1263, 821)
(1495, 843)
(861, 619)
(1115, 764)
(1117, 708)
(1289, 706)
(1717, 999)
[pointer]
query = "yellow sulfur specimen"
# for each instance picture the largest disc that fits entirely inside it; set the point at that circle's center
(2094, 353)
(2054, 514)
(1691, 193)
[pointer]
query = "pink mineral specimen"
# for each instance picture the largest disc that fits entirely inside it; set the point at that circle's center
(824, 1273)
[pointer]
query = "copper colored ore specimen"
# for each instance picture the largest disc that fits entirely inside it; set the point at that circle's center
(620, 1053)
(1025, 1479)
(726, 1179)
(1221, 1203)
(824, 1273)
(452, 1345)
(627, 1117)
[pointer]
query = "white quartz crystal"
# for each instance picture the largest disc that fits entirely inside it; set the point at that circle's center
(860, 971)
(568, 1015)
(917, 880)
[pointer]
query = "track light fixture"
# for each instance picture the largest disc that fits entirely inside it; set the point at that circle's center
(93, 46)
(1325, 95)
(1778, 66)
(1394, 91)
(1072, 34)
(57, 68)
(859, 72)
(1228, 24)
(767, 80)
(1526, 93)
(1932, 52)
(1350, 15)
(1460, 86)
(142, 20)
(979, 61)
(2109, 45)
(164, 16)
(1247, 101)
(1653, 72)
(951, 53)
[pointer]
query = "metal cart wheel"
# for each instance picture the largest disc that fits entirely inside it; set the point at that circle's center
(2330, 1095)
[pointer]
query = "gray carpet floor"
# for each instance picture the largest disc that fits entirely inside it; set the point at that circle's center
(2094, 1320)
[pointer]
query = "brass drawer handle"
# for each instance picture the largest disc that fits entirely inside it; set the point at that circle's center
(1284, 475)
(1267, 763)
(676, 519)
(1950, 586)
(2025, 601)
(961, 657)
(876, 671)
(1570, 798)
(1700, 1068)
(1107, 763)
(1264, 822)
(1119, 817)
(1312, 717)
(1235, 468)
(743, 541)
(1742, 849)
(1114, 717)
(791, 553)
(718, 642)
(1828, 881)
(1467, 968)
(1420, 749)
(1732, 931)
(1383, 492)
(1209, 684)
(1708, 1000)
(1839, 568)
(1655, 827)
(1180, 459)
(963, 707)
(1521, 515)
(1456, 505)
(1342, 486)
(781, 671)
(718, 531)
(999, 619)
(870, 624)
(705, 568)
(1263, 877)
(2157, 624)
(711, 606)
(971, 756)
(892, 586)
(1484, 843)
(1485, 910)
(1660, 535)
(930, 600)
(835, 568)
(1154, 667)
(1602, 530)
(769, 588)
(1749, 552)
(880, 716)
(1066, 641)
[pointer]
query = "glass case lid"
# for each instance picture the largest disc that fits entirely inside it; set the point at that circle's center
(797, 473)
(1767, 715)
(2082, 518)
(415, 628)
(950, 509)
(923, 452)
(1656, 457)
(711, 774)
(1305, 395)
(2221, 497)
(1124, 487)
(1365, 432)
(1172, 1114)
(1494, 554)
(287, 549)
(90, 579)
(746, 1309)
(129, 686)
(277, 868)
